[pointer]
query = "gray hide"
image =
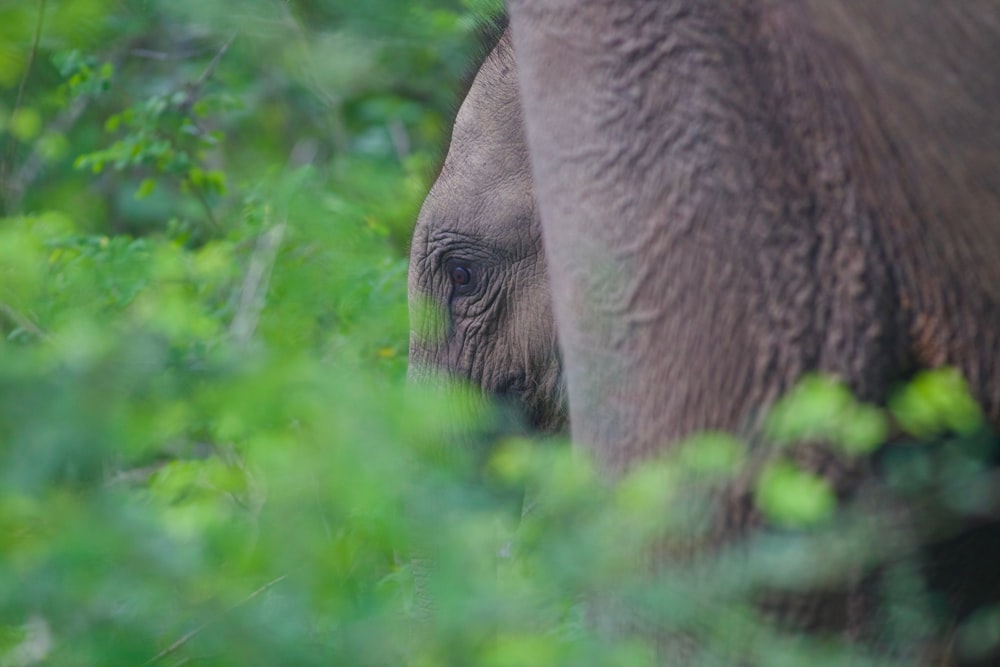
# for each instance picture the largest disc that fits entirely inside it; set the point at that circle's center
(831, 177)
(479, 292)
(733, 193)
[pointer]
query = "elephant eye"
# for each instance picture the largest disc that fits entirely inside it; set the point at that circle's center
(460, 275)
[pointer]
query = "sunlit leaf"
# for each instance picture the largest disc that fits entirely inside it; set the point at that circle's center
(792, 497)
(935, 401)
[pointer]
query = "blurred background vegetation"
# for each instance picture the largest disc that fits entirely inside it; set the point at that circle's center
(208, 454)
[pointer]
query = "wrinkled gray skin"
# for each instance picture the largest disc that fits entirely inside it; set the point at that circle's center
(738, 196)
(479, 223)
(731, 194)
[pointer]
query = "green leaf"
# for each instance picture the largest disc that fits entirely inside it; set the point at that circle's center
(813, 410)
(979, 635)
(863, 430)
(145, 188)
(936, 401)
(524, 649)
(25, 124)
(792, 497)
(712, 453)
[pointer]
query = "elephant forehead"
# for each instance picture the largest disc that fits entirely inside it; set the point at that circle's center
(488, 136)
(498, 212)
(485, 185)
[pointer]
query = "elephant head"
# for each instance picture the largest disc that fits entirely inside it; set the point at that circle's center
(477, 281)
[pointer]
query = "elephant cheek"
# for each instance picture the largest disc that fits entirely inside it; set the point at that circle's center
(428, 337)
(419, 368)
(418, 373)
(428, 323)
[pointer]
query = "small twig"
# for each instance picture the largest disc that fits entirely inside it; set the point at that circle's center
(22, 321)
(203, 200)
(192, 91)
(31, 56)
(35, 162)
(333, 101)
(188, 636)
(400, 138)
(211, 67)
(149, 54)
(6, 165)
(253, 293)
(140, 475)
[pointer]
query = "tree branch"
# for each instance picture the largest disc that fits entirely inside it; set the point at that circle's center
(6, 165)
(188, 636)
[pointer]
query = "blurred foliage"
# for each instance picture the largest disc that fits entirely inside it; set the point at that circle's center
(208, 452)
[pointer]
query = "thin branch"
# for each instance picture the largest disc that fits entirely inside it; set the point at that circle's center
(133, 476)
(20, 96)
(400, 138)
(188, 636)
(193, 90)
(203, 200)
(31, 55)
(150, 54)
(35, 162)
(333, 101)
(253, 293)
(211, 67)
(22, 321)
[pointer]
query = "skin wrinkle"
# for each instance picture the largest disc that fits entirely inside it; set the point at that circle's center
(481, 212)
(962, 169)
(616, 303)
(812, 198)
(833, 215)
(804, 253)
(633, 295)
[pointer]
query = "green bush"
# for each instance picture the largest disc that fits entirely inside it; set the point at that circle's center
(208, 451)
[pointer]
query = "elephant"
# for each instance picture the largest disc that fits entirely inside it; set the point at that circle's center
(655, 216)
